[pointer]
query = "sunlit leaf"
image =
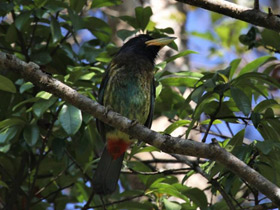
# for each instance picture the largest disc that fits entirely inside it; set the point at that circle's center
(105, 3)
(70, 119)
(171, 205)
(181, 54)
(176, 125)
(254, 65)
(26, 86)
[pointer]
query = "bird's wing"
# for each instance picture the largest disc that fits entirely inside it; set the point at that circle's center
(149, 120)
(99, 124)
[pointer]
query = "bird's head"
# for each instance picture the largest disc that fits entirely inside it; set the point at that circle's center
(145, 45)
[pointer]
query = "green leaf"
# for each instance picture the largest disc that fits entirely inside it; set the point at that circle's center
(271, 38)
(181, 54)
(31, 134)
(7, 134)
(265, 146)
(11, 35)
(197, 196)
(70, 119)
(263, 105)
(256, 118)
(236, 140)
(40, 3)
(158, 89)
(41, 58)
(11, 122)
(42, 105)
(100, 29)
(269, 130)
(130, 20)
(7, 85)
(77, 5)
(249, 38)
(44, 95)
(143, 16)
(167, 189)
(256, 76)
(87, 76)
(205, 35)
(76, 20)
(30, 100)
(178, 81)
(22, 20)
(3, 184)
(171, 205)
(124, 34)
(254, 65)
(241, 99)
(55, 30)
(25, 86)
(148, 149)
(105, 3)
(89, 52)
(5, 7)
(58, 148)
(233, 66)
(176, 125)
(134, 205)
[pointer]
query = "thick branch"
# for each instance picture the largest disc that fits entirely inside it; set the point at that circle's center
(253, 16)
(167, 144)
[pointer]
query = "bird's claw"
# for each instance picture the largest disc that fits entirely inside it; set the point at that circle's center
(108, 108)
(133, 123)
(215, 142)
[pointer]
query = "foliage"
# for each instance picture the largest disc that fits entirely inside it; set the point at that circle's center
(48, 148)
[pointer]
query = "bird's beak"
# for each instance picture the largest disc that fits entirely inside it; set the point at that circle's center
(161, 42)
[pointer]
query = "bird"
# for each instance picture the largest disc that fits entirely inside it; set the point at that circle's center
(127, 88)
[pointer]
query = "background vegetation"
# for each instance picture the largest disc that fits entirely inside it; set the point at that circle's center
(49, 148)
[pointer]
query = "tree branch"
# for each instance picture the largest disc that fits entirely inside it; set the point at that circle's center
(252, 16)
(166, 143)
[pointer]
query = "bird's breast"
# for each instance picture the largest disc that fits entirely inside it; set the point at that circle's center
(128, 93)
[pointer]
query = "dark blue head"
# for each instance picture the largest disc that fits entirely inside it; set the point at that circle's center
(144, 46)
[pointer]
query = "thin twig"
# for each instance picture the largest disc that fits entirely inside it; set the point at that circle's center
(86, 206)
(165, 172)
(116, 202)
(58, 190)
(53, 179)
(215, 184)
(77, 164)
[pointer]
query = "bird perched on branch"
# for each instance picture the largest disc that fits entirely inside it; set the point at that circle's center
(127, 88)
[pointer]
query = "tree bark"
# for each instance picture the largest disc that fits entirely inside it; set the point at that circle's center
(253, 16)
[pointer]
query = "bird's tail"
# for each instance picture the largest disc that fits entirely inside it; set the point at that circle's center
(105, 178)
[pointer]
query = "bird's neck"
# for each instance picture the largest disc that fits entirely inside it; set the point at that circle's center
(136, 63)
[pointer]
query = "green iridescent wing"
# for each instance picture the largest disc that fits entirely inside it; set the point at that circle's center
(149, 120)
(99, 124)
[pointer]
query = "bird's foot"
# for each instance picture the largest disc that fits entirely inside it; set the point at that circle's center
(133, 123)
(215, 142)
(108, 109)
